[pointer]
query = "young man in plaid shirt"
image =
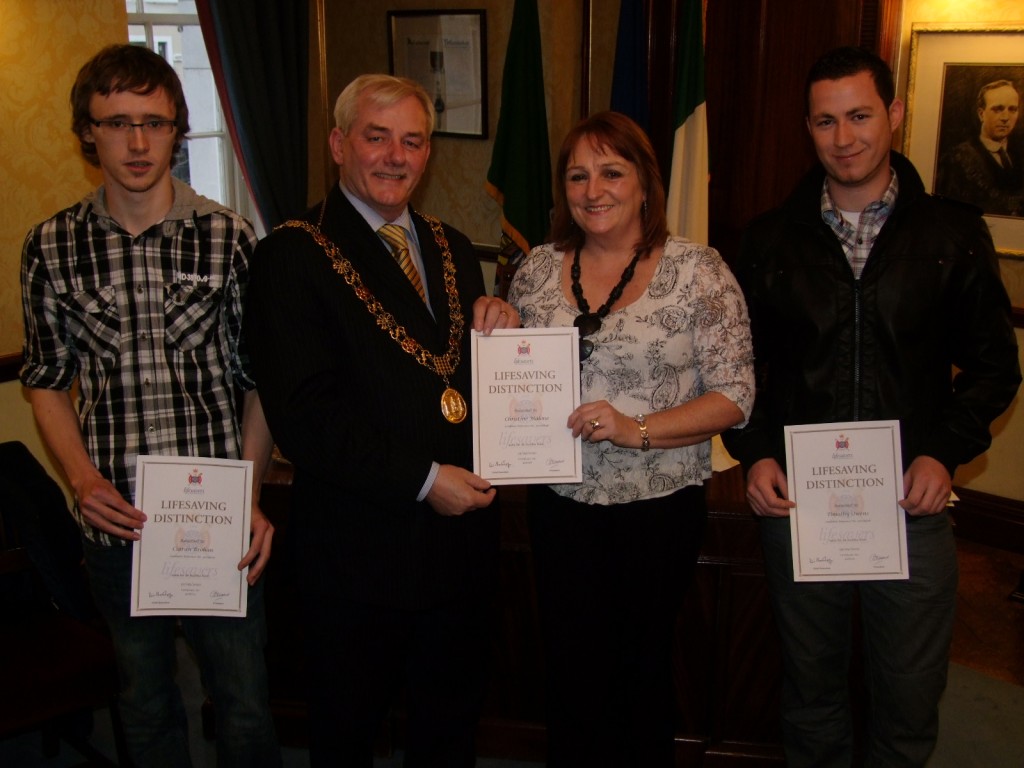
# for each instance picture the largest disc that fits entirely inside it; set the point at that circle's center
(136, 292)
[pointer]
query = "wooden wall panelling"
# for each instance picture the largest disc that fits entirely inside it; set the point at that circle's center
(743, 698)
(693, 666)
(514, 708)
(757, 57)
(887, 29)
(990, 520)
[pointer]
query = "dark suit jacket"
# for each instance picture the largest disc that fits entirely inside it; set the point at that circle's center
(971, 173)
(360, 419)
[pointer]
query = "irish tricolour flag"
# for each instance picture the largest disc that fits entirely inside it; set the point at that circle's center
(688, 183)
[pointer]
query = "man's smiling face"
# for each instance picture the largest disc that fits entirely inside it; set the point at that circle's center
(384, 154)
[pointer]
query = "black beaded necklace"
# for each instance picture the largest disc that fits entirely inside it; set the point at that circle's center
(590, 322)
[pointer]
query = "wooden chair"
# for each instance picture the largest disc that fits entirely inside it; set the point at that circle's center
(57, 665)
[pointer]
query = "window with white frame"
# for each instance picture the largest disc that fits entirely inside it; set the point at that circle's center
(207, 161)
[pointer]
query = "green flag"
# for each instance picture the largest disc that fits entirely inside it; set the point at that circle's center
(519, 178)
(687, 206)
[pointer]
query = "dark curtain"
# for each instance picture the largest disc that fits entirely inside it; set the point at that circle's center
(630, 74)
(259, 51)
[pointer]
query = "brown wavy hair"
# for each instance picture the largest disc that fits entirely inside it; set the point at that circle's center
(611, 132)
(119, 68)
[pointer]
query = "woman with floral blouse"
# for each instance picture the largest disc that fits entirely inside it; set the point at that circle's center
(666, 365)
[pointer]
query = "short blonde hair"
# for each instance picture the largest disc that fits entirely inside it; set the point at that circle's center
(382, 91)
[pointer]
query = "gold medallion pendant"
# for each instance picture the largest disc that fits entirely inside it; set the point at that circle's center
(453, 406)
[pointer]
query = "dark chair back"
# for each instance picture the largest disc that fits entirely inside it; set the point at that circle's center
(55, 659)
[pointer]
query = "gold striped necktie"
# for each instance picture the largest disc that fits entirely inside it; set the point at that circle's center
(394, 236)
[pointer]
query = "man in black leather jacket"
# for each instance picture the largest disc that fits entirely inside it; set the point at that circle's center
(864, 293)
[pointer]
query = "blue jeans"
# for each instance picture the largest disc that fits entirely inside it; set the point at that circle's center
(231, 665)
(907, 630)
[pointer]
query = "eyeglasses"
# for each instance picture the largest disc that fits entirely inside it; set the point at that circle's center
(149, 127)
(589, 324)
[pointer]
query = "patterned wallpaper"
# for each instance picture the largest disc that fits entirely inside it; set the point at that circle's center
(42, 46)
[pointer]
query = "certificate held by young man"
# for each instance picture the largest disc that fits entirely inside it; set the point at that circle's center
(198, 513)
(526, 382)
(846, 480)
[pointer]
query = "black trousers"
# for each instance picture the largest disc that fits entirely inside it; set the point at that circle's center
(361, 656)
(610, 580)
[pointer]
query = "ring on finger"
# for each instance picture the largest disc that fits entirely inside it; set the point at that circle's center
(594, 423)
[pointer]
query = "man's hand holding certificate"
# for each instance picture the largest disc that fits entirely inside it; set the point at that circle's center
(197, 529)
(846, 480)
(526, 382)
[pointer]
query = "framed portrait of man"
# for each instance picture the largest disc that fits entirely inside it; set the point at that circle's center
(980, 152)
(962, 128)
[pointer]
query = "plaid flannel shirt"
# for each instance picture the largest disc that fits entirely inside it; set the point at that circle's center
(857, 241)
(149, 326)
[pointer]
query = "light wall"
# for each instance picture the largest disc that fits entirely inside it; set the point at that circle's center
(998, 471)
(42, 46)
(954, 12)
(16, 423)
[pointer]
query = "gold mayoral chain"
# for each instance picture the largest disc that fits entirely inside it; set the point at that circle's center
(453, 405)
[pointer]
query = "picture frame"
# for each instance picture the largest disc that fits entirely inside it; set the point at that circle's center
(446, 52)
(948, 65)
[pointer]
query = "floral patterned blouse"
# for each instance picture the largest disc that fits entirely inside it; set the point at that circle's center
(686, 335)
